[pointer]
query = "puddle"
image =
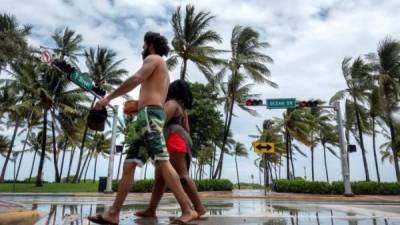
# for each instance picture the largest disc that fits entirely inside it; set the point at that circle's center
(73, 211)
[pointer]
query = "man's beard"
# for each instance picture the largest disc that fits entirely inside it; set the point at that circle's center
(145, 53)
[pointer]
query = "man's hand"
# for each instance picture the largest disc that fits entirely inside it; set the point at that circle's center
(101, 104)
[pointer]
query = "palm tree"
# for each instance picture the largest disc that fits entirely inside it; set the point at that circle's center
(247, 62)
(295, 126)
(100, 144)
(16, 112)
(374, 111)
(13, 45)
(386, 63)
(357, 77)
(271, 132)
(105, 72)
(192, 40)
(239, 150)
(328, 135)
(319, 124)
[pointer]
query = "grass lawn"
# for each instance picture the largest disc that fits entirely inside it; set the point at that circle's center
(51, 187)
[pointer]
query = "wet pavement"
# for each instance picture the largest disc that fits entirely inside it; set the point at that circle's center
(74, 210)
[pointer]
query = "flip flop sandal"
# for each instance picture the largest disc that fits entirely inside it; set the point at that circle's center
(100, 220)
(180, 222)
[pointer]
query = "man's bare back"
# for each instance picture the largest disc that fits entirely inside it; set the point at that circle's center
(153, 90)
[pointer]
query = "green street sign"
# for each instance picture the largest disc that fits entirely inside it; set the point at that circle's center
(281, 103)
(82, 80)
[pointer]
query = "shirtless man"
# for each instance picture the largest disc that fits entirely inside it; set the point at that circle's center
(149, 140)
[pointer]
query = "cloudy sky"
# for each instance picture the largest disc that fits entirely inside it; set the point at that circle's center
(309, 39)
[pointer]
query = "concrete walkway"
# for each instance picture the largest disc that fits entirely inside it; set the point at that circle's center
(235, 194)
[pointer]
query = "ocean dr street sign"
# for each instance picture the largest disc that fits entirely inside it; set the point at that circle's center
(281, 103)
(81, 80)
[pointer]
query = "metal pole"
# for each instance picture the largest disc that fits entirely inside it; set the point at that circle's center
(112, 150)
(265, 174)
(343, 153)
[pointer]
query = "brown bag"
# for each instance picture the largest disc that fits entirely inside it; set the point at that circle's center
(131, 107)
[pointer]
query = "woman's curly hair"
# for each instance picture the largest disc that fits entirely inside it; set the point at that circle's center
(179, 90)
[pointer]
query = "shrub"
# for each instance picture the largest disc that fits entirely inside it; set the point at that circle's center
(202, 185)
(336, 187)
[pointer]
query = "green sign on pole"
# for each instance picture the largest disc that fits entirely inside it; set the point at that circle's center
(82, 80)
(281, 103)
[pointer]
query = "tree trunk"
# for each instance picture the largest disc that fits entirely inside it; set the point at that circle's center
(326, 165)
(287, 153)
(119, 164)
(360, 133)
(63, 158)
(55, 158)
(145, 171)
(312, 162)
(23, 151)
(183, 71)
(228, 125)
(86, 166)
(39, 182)
(76, 178)
(33, 164)
(237, 172)
(10, 148)
(70, 163)
(374, 147)
(213, 161)
(95, 167)
(392, 132)
(291, 158)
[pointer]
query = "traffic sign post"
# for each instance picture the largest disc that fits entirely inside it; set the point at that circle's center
(84, 82)
(281, 103)
(264, 147)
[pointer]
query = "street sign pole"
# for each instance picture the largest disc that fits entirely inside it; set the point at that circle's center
(112, 151)
(265, 173)
(343, 152)
(83, 83)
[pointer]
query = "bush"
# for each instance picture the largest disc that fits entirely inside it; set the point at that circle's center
(336, 187)
(248, 186)
(214, 185)
(33, 180)
(202, 185)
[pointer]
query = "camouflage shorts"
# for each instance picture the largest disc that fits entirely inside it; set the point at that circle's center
(148, 141)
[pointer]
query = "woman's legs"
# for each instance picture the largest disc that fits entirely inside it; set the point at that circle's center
(178, 161)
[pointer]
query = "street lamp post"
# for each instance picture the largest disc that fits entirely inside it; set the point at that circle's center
(343, 152)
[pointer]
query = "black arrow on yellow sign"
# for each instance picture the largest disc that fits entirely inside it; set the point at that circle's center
(261, 147)
(264, 147)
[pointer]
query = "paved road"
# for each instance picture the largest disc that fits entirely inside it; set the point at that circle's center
(64, 210)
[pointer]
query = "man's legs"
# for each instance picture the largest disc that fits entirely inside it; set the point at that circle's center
(156, 195)
(172, 181)
(125, 184)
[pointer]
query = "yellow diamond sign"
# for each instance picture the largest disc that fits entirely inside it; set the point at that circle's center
(263, 147)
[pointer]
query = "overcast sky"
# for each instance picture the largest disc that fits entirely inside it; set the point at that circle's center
(309, 39)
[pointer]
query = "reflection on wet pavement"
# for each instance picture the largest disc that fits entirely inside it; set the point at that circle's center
(73, 211)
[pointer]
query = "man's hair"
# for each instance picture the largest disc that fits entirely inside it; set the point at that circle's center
(180, 91)
(159, 42)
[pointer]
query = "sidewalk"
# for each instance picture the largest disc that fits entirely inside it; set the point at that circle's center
(237, 194)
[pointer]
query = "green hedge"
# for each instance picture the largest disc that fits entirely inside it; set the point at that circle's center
(202, 185)
(336, 187)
